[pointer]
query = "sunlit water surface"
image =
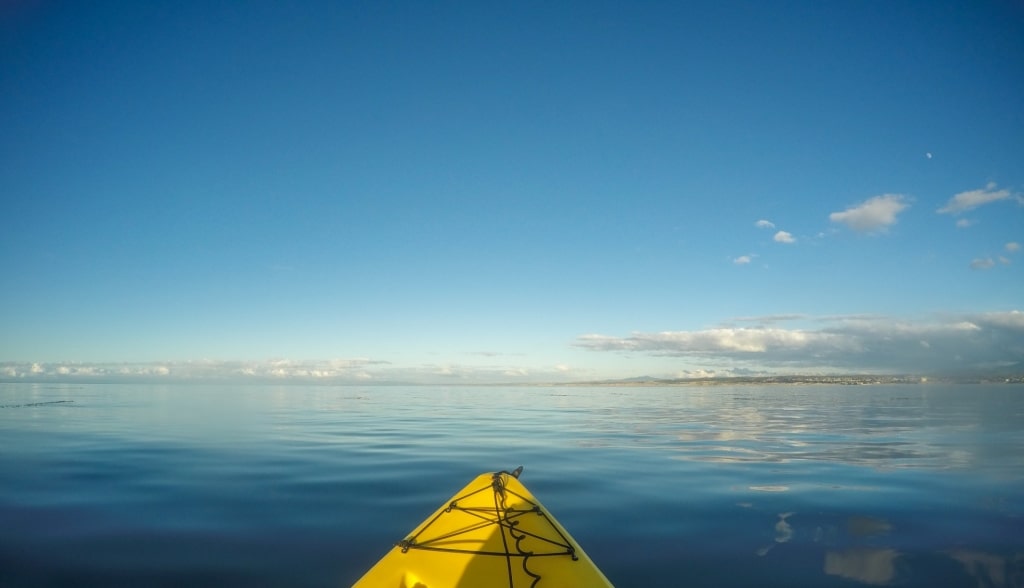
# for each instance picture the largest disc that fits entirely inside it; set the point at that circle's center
(132, 485)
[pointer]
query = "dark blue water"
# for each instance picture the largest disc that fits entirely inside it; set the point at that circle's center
(133, 485)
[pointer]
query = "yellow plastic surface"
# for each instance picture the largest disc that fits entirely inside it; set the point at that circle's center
(496, 535)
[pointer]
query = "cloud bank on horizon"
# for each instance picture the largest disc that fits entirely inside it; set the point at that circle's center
(984, 343)
(362, 371)
(974, 343)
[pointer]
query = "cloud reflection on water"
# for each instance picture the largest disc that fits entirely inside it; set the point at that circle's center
(867, 565)
(895, 427)
(852, 552)
(880, 566)
(990, 569)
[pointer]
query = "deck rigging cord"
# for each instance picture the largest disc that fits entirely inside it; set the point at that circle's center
(507, 519)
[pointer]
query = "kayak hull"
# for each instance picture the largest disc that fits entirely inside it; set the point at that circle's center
(493, 533)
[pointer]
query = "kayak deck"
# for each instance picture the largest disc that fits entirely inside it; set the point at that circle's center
(492, 533)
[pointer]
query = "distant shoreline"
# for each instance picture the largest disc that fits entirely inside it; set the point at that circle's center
(846, 380)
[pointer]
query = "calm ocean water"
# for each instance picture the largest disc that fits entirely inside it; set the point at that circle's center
(136, 485)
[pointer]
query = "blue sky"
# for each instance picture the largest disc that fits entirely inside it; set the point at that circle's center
(478, 192)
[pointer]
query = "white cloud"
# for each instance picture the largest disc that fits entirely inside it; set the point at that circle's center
(855, 343)
(874, 214)
(1012, 319)
(972, 199)
(742, 260)
(965, 222)
(764, 224)
(982, 263)
(784, 237)
(710, 341)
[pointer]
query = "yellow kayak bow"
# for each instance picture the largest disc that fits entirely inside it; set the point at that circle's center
(492, 534)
